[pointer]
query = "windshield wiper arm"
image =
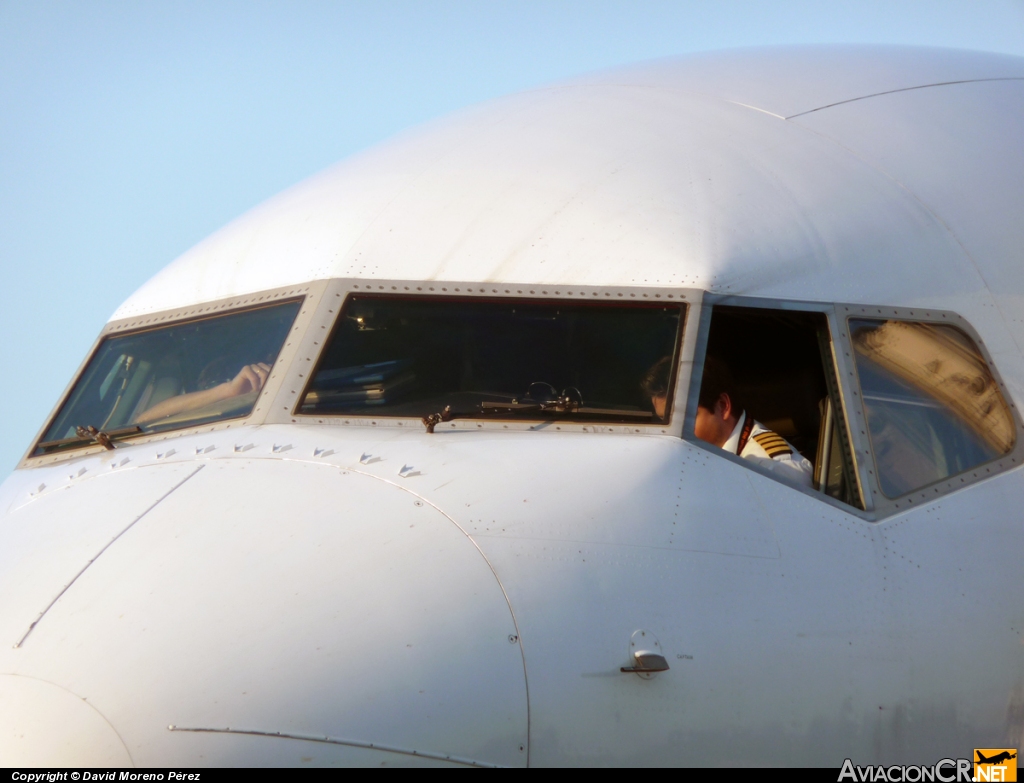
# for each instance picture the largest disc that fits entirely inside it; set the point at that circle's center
(90, 434)
(565, 403)
(105, 439)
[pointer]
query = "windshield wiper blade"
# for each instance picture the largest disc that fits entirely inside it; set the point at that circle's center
(565, 403)
(584, 409)
(90, 434)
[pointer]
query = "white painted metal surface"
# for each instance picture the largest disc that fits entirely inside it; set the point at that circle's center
(375, 595)
(44, 725)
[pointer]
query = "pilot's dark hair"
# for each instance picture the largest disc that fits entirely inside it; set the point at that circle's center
(717, 380)
(655, 380)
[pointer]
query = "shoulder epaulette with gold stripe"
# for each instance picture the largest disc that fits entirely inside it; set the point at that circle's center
(773, 444)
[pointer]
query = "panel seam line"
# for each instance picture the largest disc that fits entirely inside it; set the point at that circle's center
(97, 555)
(907, 89)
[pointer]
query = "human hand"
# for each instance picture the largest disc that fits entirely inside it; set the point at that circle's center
(250, 378)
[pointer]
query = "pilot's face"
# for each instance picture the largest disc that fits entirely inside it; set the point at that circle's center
(660, 402)
(715, 426)
(705, 426)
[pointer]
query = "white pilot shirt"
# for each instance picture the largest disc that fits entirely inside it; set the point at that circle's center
(773, 452)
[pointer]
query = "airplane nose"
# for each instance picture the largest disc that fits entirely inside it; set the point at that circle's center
(285, 612)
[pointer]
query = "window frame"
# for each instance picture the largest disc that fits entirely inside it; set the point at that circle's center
(307, 294)
(883, 505)
(285, 409)
(845, 391)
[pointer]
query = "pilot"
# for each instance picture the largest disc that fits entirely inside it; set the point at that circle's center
(655, 385)
(249, 379)
(719, 423)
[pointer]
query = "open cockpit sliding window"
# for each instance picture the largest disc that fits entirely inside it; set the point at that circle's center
(768, 393)
(439, 359)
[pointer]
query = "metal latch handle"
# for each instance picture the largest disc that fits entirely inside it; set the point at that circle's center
(647, 662)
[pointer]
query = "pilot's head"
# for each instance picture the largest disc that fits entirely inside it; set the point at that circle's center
(717, 409)
(217, 371)
(655, 385)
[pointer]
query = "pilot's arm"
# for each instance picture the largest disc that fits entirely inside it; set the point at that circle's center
(250, 378)
(773, 452)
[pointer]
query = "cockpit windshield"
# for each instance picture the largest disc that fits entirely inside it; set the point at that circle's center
(176, 376)
(414, 357)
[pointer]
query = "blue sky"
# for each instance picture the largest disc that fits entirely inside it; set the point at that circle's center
(130, 131)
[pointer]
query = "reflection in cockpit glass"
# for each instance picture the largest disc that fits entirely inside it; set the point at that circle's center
(933, 407)
(414, 357)
(171, 377)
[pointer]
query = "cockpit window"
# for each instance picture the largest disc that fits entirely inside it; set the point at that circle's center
(172, 377)
(413, 357)
(769, 394)
(933, 407)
